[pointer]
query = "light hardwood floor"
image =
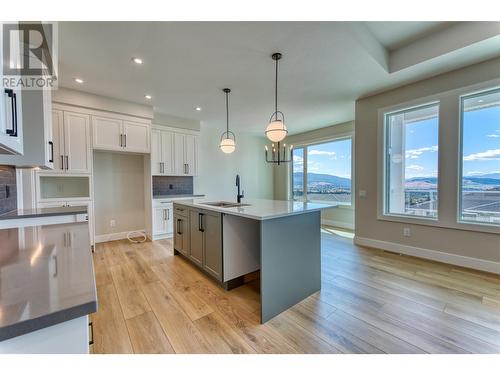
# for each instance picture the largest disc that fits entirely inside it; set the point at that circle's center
(371, 301)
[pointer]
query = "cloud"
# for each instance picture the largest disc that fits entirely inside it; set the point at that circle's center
(415, 167)
(485, 155)
(326, 153)
(298, 159)
(493, 135)
(416, 152)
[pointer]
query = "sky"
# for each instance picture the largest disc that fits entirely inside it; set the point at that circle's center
(328, 158)
(481, 134)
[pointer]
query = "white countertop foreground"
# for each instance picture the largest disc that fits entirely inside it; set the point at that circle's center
(259, 209)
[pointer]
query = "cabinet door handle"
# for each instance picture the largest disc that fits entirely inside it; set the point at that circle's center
(13, 105)
(121, 140)
(178, 226)
(164, 214)
(91, 325)
(124, 140)
(187, 165)
(200, 222)
(168, 213)
(62, 162)
(51, 144)
(67, 162)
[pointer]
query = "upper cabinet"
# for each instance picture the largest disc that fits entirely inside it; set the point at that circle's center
(116, 134)
(11, 122)
(71, 142)
(37, 137)
(173, 152)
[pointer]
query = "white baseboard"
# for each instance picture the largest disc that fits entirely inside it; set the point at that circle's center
(115, 236)
(457, 260)
(338, 224)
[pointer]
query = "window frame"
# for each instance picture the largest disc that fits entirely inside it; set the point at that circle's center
(462, 98)
(315, 142)
(449, 115)
(385, 173)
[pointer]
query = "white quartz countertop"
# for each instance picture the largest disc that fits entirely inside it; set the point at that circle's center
(258, 209)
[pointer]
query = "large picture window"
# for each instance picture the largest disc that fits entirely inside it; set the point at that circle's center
(411, 162)
(480, 179)
(325, 169)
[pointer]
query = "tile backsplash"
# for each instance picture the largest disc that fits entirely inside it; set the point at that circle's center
(172, 185)
(8, 189)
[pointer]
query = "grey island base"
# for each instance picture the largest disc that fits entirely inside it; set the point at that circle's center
(281, 239)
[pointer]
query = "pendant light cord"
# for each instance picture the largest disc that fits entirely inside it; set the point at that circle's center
(276, 91)
(227, 114)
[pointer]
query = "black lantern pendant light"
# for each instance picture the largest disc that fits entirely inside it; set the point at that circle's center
(227, 139)
(276, 130)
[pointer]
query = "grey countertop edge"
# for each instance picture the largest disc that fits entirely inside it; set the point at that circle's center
(31, 325)
(11, 216)
(178, 196)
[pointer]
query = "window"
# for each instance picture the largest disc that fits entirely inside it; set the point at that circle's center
(326, 171)
(411, 162)
(480, 158)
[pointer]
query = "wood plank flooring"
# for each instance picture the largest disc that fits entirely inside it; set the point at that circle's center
(371, 301)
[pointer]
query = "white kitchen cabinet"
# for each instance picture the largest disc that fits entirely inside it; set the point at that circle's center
(162, 158)
(136, 137)
(163, 219)
(115, 134)
(11, 122)
(107, 133)
(71, 142)
(185, 154)
(77, 147)
(37, 132)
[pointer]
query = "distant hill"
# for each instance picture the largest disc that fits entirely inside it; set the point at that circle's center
(319, 178)
(486, 181)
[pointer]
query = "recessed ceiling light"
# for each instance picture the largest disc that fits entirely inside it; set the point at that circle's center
(148, 97)
(137, 60)
(78, 80)
(198, 108)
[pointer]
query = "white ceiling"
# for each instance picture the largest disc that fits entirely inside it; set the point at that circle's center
(326, 66)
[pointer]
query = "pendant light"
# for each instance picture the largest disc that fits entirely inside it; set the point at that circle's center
(276, 130)
(227, 139)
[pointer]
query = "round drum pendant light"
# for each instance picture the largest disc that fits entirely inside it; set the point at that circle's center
(276, 129)
(227, 139)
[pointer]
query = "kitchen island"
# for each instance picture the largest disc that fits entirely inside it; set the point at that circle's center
(281, 239)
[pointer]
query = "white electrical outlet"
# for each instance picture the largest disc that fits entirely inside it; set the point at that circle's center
(112, 223)
(406, 232)
(363, 193)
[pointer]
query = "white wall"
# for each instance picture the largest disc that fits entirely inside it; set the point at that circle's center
(444, 243)
(118, 192)
(217, 171)
(342, 216)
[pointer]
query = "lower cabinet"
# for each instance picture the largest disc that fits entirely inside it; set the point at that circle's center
(181, 232)
(162, 220)
(199, 237)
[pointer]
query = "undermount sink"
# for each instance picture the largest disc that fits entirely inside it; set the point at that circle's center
(225, 204)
